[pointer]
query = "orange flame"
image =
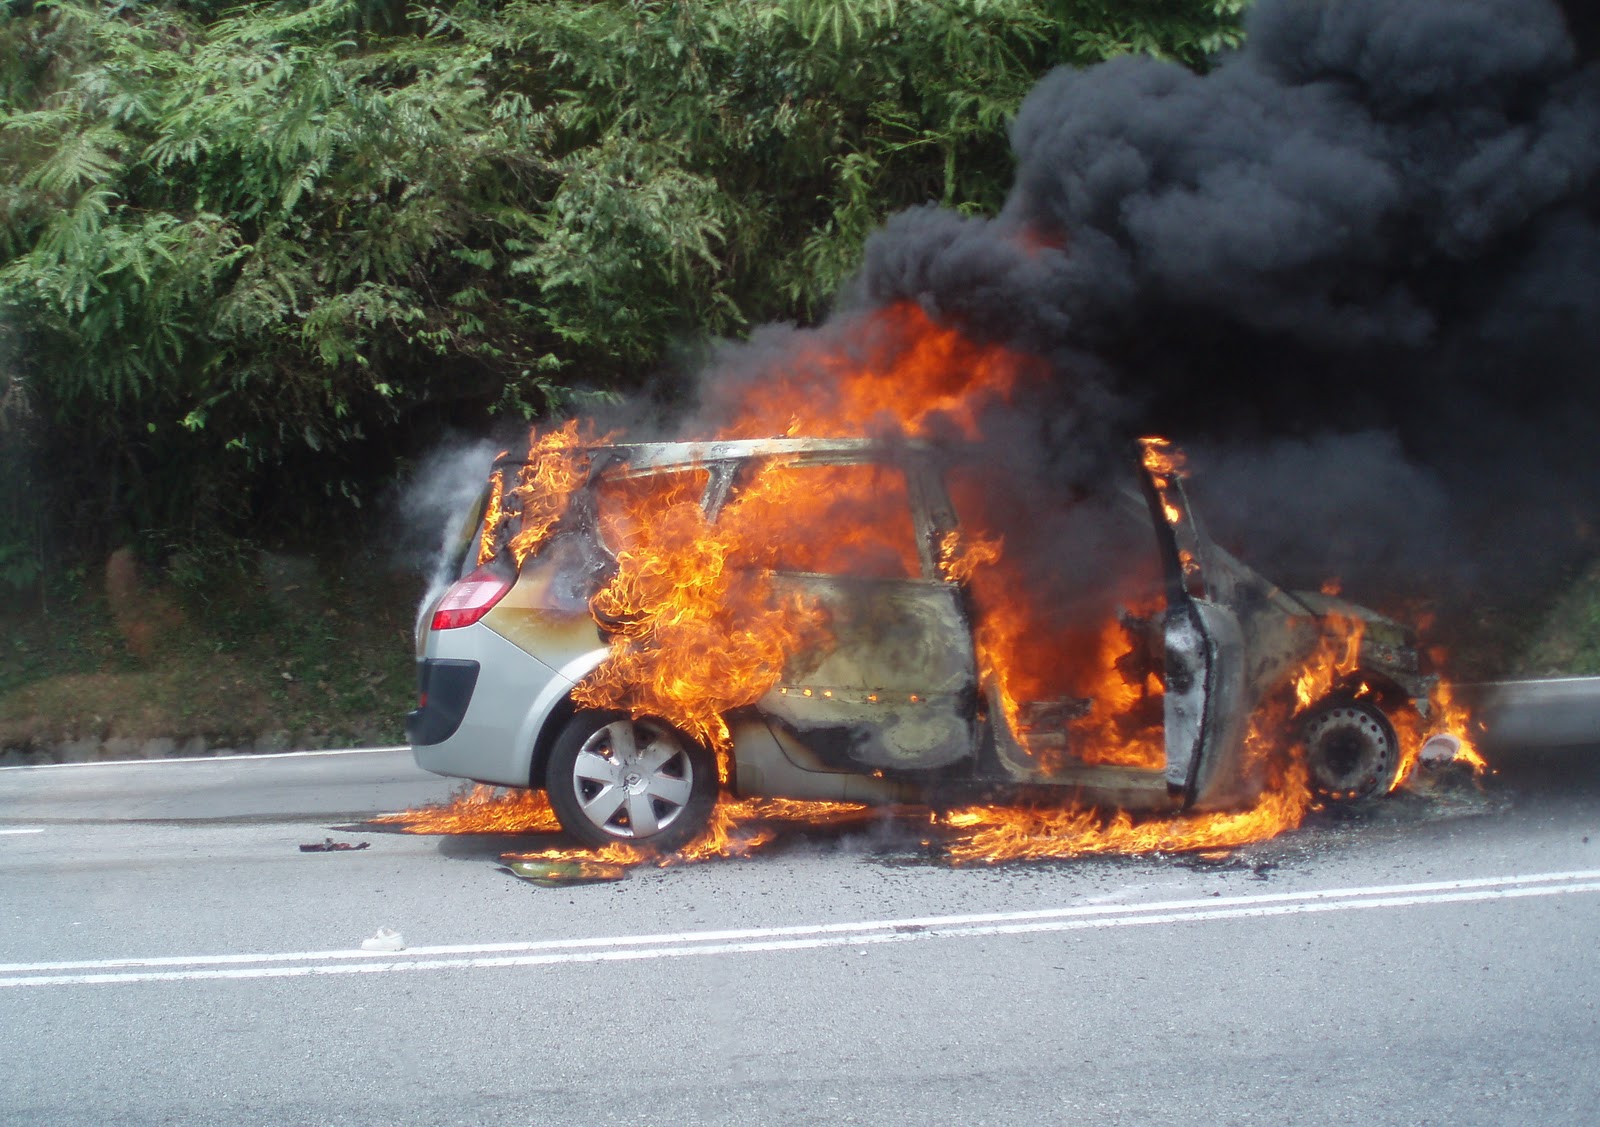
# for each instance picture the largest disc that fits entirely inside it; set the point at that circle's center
(1338, 654)
(1446, 717)
(1162, 458)
(697, 626)
(991, 834)
(555, 468)
(694, 635)
(970, 835)
(899, 372)
(493, 514)
(959, 559)
(481, 810)
(738, 826)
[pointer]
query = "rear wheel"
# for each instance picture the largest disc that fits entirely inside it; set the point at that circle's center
(612, 778)
(1351, 750)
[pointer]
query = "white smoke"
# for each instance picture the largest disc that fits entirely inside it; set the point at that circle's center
(433, 505)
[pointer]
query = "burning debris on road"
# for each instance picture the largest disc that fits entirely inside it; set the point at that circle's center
(328, 845)
(929, 552)
(978, 835)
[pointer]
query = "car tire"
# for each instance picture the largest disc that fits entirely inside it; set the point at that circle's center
(616, 779)
(1351, 750)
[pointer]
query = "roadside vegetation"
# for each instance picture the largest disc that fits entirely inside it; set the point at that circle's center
(162, 669)
(255, 256)
(1565, 641)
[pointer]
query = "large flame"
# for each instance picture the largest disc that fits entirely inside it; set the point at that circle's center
(697, 625)
(555, 467)
(898, 372)
(990, 834)
(692, 635)
(1338, 655)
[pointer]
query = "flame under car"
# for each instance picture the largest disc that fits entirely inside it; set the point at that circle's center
(849, 638)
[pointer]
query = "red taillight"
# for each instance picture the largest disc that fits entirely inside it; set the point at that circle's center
(470, 599)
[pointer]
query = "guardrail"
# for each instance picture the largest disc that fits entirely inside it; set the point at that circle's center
(1550, 713)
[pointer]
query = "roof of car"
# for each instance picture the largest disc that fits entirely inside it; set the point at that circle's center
(671, 455)
(689, 453)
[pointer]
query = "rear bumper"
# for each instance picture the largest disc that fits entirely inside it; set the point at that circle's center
(444, 690)
(494, 739)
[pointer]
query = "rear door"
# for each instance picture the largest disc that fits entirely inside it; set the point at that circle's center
(893, 684)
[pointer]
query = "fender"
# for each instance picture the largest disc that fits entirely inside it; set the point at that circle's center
(549, 700)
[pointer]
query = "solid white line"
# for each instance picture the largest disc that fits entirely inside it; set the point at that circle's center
(208, 758)
(811, 943)
(920, 922)
(23, 830)
(807, 937)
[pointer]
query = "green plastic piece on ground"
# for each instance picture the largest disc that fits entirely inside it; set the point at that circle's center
(556, 874)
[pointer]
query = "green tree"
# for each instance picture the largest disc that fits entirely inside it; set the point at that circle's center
(252, 256)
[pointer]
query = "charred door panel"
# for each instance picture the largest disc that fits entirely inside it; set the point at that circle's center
(1208, 698)
(1206, 721)
(1188, 678)
(898, 684)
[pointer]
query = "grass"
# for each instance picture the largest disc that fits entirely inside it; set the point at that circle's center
(1566, 642)
(241, 665)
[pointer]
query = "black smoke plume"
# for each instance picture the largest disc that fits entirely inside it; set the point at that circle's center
(1356, 267)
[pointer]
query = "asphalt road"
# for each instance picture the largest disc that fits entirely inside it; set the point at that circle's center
(168, 955)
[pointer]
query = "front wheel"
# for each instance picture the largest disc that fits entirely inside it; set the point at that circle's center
(613, 778)
(1351, 750)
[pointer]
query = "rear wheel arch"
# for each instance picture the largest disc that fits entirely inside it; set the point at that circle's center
(554, 724)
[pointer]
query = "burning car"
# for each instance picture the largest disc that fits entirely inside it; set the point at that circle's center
(640, 627)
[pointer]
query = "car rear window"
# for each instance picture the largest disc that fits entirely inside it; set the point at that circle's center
(848, 520)
(624, 503)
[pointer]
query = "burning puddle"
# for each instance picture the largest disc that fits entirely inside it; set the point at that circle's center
(967, 836)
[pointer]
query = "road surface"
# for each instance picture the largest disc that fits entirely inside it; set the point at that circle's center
(169, 955)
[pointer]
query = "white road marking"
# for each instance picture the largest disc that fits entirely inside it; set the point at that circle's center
(799, 937)
(23, 830)
(207, 758)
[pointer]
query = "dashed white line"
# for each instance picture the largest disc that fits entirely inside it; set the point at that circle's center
(593, 949)
(22, 830)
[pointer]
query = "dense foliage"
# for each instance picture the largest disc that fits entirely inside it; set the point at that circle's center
(252, 256)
